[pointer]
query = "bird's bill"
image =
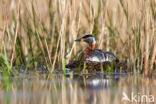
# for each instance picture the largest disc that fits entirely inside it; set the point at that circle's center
(79, 40)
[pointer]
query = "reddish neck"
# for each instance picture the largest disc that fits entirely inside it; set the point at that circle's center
(91, 47)
(88, 50)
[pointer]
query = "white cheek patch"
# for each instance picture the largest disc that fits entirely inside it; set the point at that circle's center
(91, 40)
(94, 41)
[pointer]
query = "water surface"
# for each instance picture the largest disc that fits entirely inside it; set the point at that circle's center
(80, 88)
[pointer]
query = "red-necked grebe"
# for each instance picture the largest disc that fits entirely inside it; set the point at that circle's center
(94, 58)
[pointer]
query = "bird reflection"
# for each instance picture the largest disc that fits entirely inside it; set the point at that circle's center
(93, 84)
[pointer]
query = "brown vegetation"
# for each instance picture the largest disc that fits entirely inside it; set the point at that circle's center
(45, 29)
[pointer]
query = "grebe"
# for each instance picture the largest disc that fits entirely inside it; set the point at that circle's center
(94, 58)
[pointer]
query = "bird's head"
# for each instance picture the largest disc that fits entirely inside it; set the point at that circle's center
(89, 39)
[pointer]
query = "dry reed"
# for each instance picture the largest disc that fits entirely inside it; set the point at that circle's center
(44, 31)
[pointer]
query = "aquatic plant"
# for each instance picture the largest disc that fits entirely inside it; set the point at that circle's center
(43, 32)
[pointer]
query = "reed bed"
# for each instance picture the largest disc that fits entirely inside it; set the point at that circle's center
(34, 32)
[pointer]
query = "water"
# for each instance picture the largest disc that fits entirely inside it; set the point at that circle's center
(81, 88)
